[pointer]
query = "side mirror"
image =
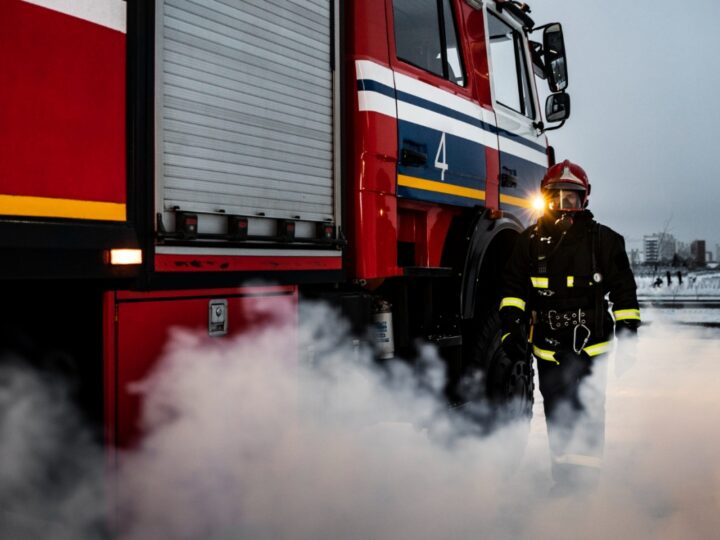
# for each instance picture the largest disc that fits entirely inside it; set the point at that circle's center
(557, 107)
(555, 61)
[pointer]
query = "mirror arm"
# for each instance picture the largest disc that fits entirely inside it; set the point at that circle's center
(536, 54)
(550, 128)
(542, 27)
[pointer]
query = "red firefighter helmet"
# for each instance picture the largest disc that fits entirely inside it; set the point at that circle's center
(569, 179)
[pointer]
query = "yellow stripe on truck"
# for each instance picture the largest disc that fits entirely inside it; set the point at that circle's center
(515, 201)
(16, 205)
(440, 187)
(454, 189)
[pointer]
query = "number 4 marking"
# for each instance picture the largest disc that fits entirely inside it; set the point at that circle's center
(441, 163)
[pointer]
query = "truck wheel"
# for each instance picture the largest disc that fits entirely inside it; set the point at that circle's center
(493, 386)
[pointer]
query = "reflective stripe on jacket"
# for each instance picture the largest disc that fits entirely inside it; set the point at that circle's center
(549, 270)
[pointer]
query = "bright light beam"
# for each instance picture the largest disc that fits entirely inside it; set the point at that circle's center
(538, 204)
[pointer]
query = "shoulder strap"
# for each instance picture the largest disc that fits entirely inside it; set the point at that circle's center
(543, 252)
(598, 277)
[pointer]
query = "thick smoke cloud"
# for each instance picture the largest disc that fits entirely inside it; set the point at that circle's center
(51, 472)
(244, 439)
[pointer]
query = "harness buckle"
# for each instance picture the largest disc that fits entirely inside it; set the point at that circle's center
(581, 324)
(558, 320)
(545, 292)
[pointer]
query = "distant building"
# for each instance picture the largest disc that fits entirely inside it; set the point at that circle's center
(634, 256)
(651, 248)
(659, 247)
(683, 250)
(667, 246)
(697, 251)
(717, 252)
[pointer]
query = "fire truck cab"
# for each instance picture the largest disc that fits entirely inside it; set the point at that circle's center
(161, 157)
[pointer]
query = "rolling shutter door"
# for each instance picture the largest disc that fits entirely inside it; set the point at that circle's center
(245, 107)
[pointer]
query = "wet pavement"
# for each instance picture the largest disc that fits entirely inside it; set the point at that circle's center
(662, 447)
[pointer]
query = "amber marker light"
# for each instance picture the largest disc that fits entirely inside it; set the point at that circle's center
(125, 256)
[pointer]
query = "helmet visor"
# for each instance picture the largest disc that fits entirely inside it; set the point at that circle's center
(564, 199)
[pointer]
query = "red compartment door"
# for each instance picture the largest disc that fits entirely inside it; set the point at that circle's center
(139, 329)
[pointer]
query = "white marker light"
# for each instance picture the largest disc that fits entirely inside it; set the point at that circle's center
(125, 256)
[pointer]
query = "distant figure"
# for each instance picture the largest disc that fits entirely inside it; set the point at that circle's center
(692, 281)
(657, 283)
(669, 279)
(679, 276)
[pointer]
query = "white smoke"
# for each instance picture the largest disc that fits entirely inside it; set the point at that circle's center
(246, 439)
(273, 446)
(51, 473)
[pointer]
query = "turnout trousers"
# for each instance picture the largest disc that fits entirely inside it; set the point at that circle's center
(573, 390)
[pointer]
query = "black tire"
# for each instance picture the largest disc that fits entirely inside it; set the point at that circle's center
(494, 389)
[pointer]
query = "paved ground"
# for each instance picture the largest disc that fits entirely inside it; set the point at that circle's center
(662, 463)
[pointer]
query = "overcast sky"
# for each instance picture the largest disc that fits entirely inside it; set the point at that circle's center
(644, 78)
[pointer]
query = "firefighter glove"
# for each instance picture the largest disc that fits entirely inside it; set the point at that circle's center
(515, 343)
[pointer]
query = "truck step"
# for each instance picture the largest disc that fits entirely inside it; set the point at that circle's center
(428, 271)
(445, 341)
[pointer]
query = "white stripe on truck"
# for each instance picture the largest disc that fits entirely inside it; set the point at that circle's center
(108, 13)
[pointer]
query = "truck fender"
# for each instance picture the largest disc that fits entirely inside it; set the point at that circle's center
(490, 242)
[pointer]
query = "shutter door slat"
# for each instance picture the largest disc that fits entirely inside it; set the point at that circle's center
(184, 110)
(232, 39)
(294, 11)
(204, 202)
(250, 191)
(258, 83)
(234, 183)
(196, 50)
(219, 125)
(259, 154)
(174, 130)
(290, 109)
(256, 173)
(217, 156)
(254, 26)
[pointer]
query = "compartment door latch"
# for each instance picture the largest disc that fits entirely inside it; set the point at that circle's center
(217, 317)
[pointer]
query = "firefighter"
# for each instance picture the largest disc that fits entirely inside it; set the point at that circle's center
(556, 285)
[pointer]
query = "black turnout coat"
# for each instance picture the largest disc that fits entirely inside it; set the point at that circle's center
(562, 281)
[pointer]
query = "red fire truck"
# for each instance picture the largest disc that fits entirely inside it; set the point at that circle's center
(159, 158)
